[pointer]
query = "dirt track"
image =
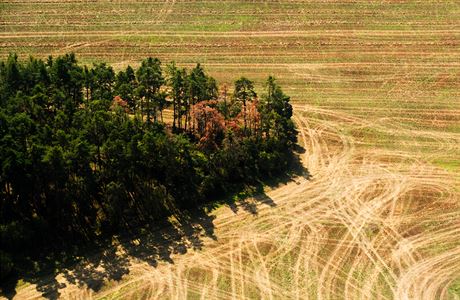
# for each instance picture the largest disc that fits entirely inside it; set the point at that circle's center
(368, 224)
(376, 86)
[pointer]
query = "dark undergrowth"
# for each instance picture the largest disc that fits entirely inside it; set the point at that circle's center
(153, 243)
(87, 161)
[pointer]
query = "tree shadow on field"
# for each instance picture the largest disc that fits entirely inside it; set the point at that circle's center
(152, 244)
(249, 200)
(91, 265)
(250, 197)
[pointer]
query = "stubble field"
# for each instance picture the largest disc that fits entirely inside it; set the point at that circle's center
(376, 94)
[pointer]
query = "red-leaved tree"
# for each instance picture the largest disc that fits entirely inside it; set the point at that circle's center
(119, 102)
(251, 116)
(210, 124)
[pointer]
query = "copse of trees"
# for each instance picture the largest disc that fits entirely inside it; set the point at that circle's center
(85, 151)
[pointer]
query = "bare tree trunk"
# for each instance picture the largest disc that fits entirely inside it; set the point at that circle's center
(148, 111)
(244, 114)
(186, 119)
(193, 119)
(174, 114)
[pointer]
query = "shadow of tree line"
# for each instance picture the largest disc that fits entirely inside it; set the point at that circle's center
(91, 265)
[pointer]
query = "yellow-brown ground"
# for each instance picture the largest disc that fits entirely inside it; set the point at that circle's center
(376, 93)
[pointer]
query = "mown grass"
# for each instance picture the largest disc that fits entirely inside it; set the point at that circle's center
(448, 163)
(389, 63)
(454, 288)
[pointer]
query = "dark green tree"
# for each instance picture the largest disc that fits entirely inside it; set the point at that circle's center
(244, 92)
(103, 78)
(200, 87)
(125, 86)
(277, 113)
(67, 77)
(150, 78)
(10, 77)
(74, 172)
(178, 82)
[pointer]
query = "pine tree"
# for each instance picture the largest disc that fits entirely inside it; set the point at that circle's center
(150, 80)
(244, 92)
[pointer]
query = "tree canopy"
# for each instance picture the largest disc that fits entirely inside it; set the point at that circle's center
(85, 151)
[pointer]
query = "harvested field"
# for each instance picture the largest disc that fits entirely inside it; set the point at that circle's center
(376, 94)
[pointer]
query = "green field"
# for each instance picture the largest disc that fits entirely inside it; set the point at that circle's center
(376, 91)
(368, 59)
